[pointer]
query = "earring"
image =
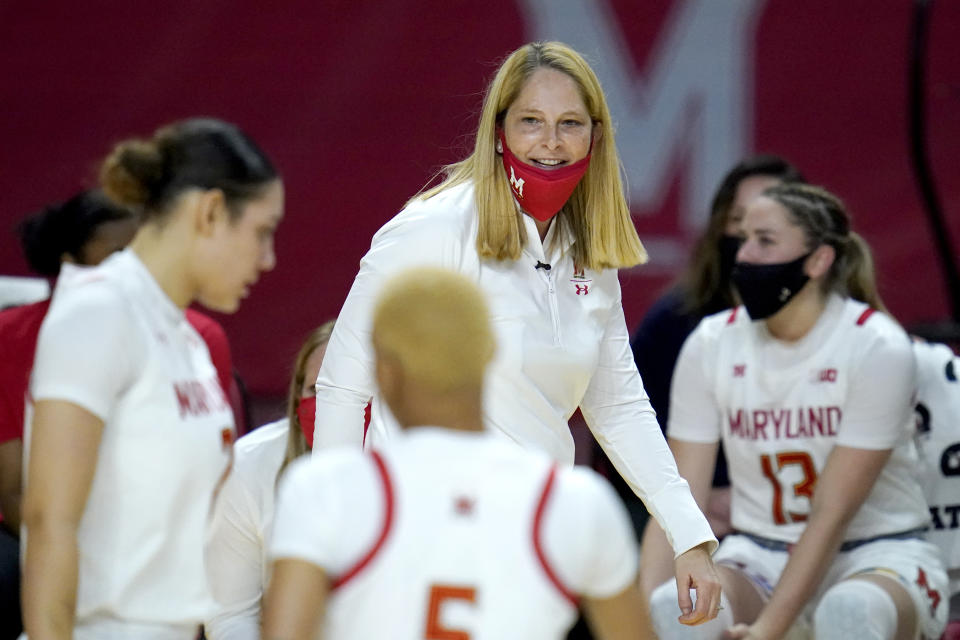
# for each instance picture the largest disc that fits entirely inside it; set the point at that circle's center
(499, 147)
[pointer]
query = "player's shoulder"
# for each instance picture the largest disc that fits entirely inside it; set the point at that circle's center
(582, 485)
(935, 362)
(263, 442)
(330, 468)
(723, 324)
(88, 297)
(446, 216)
(451, 203)
(580, 478)
(872, 328)
(861, 317)
(85, 285)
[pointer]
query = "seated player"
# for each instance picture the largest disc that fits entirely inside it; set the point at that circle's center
(453, 531)
(809, 386)
(236, 552)
(938, 437)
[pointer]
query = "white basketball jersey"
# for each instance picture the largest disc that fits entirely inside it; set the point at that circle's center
(938, 437)
(781, 408)
(114, 344)
(453, 535)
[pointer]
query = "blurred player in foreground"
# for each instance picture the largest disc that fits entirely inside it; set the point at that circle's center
(452, 532)
(132, 435)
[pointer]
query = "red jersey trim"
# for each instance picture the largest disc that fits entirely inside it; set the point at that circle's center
(733, 315)
(538, 547)
(366, 424)
(862, 320)
(385, 530)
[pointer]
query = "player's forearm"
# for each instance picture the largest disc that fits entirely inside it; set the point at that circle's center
(50, 580)
(339, 420)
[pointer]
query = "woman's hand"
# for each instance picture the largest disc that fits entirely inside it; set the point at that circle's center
(695, 570)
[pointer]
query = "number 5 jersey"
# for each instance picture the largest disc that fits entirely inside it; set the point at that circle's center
(450, 534)
(781, 407)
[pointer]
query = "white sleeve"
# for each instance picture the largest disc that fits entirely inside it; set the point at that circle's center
(587, 535)
(694, 414)
(879, 405)
(87, 352)
(234, 559)
(305, 521)
(619, 414)
(329, 510)
(346, 383)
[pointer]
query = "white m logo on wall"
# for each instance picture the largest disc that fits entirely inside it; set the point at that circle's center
(693, 102)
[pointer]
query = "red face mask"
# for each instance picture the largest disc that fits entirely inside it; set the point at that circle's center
(542, 192)
(307, 414)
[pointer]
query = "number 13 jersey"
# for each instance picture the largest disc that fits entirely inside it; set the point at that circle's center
(780, 408)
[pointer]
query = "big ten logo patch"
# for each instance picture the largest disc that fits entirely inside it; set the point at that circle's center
(828, 374)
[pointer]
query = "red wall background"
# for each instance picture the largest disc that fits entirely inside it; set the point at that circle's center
(361, 102)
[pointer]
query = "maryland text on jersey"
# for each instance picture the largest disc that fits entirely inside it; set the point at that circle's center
(785, 423)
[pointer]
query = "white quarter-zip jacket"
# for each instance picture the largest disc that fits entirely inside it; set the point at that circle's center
(562, 343)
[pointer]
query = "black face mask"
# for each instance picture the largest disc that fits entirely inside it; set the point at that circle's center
(766, 288)
(729, 245)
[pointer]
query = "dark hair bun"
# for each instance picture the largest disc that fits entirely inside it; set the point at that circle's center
(65, 228)
(132, 171)
(199, 153)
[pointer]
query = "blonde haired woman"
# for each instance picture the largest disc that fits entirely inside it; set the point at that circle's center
(537, 217)
(237, 549)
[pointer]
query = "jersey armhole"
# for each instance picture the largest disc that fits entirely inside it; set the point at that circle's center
(388, 505)
(538, 544)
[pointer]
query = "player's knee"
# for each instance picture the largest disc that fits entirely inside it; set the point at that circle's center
(855, 609)
(664, 611)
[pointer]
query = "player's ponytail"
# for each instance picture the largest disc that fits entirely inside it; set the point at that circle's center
(132, 173)
(824, 220)
(855, 271)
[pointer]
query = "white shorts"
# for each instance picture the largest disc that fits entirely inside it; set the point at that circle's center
(915, 563)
